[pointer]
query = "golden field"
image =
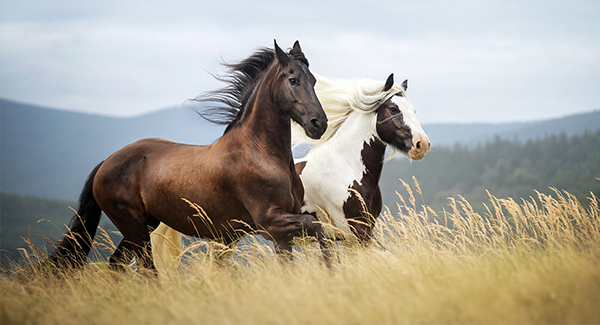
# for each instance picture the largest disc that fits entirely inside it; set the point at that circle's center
(533, 260)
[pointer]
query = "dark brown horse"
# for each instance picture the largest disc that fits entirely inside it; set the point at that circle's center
(245, 181)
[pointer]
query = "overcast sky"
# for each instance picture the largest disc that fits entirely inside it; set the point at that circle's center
(466, 61)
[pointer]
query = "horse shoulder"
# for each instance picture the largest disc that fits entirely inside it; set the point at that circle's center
(265, 185)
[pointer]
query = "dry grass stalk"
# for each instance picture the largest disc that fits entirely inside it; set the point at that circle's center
(533, 260)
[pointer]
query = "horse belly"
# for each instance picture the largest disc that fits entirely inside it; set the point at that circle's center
(199, 206)
(202, 216)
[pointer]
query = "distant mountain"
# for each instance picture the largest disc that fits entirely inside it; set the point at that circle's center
(473, 134)
(48, 153)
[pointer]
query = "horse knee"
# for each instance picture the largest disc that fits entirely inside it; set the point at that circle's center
(298, 225)
(310, 224)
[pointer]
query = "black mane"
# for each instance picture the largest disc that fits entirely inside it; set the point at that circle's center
(226, 105)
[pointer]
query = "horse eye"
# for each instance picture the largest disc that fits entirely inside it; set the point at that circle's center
(293, 81)
(394, 110)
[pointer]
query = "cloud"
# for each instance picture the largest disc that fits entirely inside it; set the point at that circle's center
(466, 61)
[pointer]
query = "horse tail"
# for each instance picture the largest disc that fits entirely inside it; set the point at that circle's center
(166, 248)
(76, 244)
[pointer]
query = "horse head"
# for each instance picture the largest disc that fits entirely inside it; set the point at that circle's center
(296, 96)
(397, 123)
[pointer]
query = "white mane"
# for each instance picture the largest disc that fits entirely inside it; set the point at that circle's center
(339, 98)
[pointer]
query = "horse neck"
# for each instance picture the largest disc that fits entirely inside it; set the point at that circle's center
(356, 143)
(268, 129)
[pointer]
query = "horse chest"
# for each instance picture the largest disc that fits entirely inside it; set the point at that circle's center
(330, 171)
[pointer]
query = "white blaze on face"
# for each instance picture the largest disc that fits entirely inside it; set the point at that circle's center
(409, 114)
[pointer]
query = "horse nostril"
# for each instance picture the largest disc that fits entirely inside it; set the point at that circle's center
(420, 147)
(315, 123)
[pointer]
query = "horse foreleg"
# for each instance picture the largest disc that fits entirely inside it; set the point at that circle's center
(362, 231)
(283, 227)
(329, 254)
(283, 249)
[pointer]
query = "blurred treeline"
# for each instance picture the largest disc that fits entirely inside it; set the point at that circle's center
(506, 168)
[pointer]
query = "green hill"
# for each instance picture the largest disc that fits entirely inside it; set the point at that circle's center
(21, 213)
(44, 219)
(505, 168)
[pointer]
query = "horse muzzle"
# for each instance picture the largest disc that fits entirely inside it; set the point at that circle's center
(315, 127)
(420, 147)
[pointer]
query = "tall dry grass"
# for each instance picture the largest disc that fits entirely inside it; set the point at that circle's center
(533, 260)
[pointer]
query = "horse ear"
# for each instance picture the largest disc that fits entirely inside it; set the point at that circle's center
(281, 56)
(389, 83)
(296, 48)
(405, 85)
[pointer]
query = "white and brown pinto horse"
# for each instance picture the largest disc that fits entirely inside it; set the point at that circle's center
(345, 164)
(341, 173)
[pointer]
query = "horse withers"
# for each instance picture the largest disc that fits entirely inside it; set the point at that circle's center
(244, 182)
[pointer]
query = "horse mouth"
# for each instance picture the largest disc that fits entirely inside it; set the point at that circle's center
(419, 149)
(416, 155)
(315, 128)
(315, 135)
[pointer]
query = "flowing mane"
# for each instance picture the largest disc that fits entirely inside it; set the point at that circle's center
(339, 98)
(226, 106)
